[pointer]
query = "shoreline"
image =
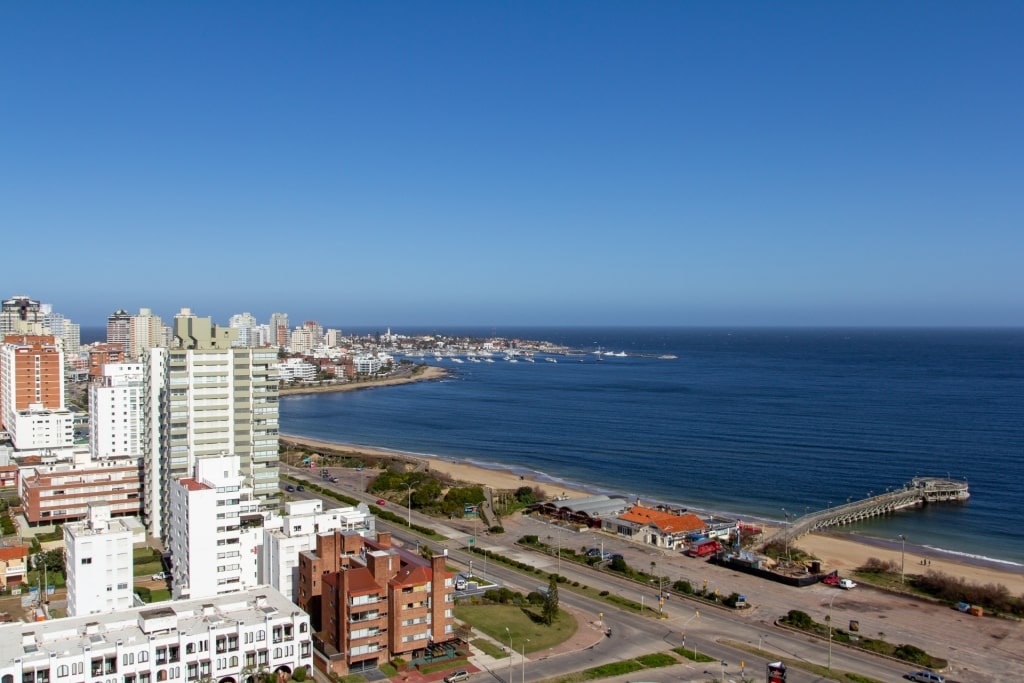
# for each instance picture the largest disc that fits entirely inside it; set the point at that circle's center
(430, 372)
(844, 551)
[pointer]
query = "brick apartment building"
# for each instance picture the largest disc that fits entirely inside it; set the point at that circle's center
(370, 602)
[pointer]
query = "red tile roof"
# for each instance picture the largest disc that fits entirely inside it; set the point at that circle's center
(665, 521)
(193, 485)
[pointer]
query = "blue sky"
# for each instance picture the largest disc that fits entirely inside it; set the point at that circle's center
(492, 163)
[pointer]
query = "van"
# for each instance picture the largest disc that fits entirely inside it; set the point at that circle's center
(460, 583)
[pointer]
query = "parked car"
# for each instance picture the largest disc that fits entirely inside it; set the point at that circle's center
(847, 583)
(289, 487)
(334, 480)
(159, 576)
(457, 676)
(926, 677)
(300, 487)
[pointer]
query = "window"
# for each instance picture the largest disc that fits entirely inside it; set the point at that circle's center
(143, 657)
(62, 670)
(86, 560)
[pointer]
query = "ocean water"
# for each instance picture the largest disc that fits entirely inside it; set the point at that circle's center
(756, 423)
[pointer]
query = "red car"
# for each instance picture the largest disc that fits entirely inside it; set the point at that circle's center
(381, 501)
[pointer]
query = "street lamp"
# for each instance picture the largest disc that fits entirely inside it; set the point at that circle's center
(903, 556)
(787, 532)
(524, 659)
(409, 486)
(559, 547)
(682, 631)
(510, 653)
(723, 670)
(830, 632)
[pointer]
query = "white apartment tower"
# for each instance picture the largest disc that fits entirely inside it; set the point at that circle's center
(245, 323)
(116, 411)
(204, 536)
(21, 315)
(98, 560)
(212, 399)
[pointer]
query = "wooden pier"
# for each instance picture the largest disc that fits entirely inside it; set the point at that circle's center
(919, 491)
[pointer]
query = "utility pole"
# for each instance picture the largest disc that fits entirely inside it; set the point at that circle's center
(510, 653)
(903, 556)
(830, 633)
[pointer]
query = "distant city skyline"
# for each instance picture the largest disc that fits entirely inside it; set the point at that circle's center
(509, 164)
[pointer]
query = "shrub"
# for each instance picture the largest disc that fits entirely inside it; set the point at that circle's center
(798, 619)
(914, 655)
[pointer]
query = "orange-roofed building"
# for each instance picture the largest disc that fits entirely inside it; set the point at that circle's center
(13, 565)
(657, 527)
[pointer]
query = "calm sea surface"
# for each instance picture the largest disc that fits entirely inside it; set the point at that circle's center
(757, 423)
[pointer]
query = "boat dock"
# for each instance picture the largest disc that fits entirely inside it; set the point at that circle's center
(919, 491)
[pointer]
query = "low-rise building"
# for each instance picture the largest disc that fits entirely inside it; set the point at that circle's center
(656, 527)
(226, 638)
(59, 492)
(372, 602)
(13, 563)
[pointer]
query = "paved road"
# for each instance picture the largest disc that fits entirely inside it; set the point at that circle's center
(980, 650)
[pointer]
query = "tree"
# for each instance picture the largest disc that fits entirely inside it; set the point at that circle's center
(53, 560)
(551, 601)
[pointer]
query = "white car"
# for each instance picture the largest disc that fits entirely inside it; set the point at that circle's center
(846, 583)
(926, 677)
(160, 576)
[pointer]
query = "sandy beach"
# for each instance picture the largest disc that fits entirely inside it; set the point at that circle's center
(836, 550)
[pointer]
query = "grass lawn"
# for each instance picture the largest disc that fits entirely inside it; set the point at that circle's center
(521, 625)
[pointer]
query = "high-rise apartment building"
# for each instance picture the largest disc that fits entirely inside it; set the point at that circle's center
(279, 329)
(116, 411)
(245, 323)
(145, 331)
(211, 553)
(31, 377)
(119, 330)
(206, 398)
(21, 315)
